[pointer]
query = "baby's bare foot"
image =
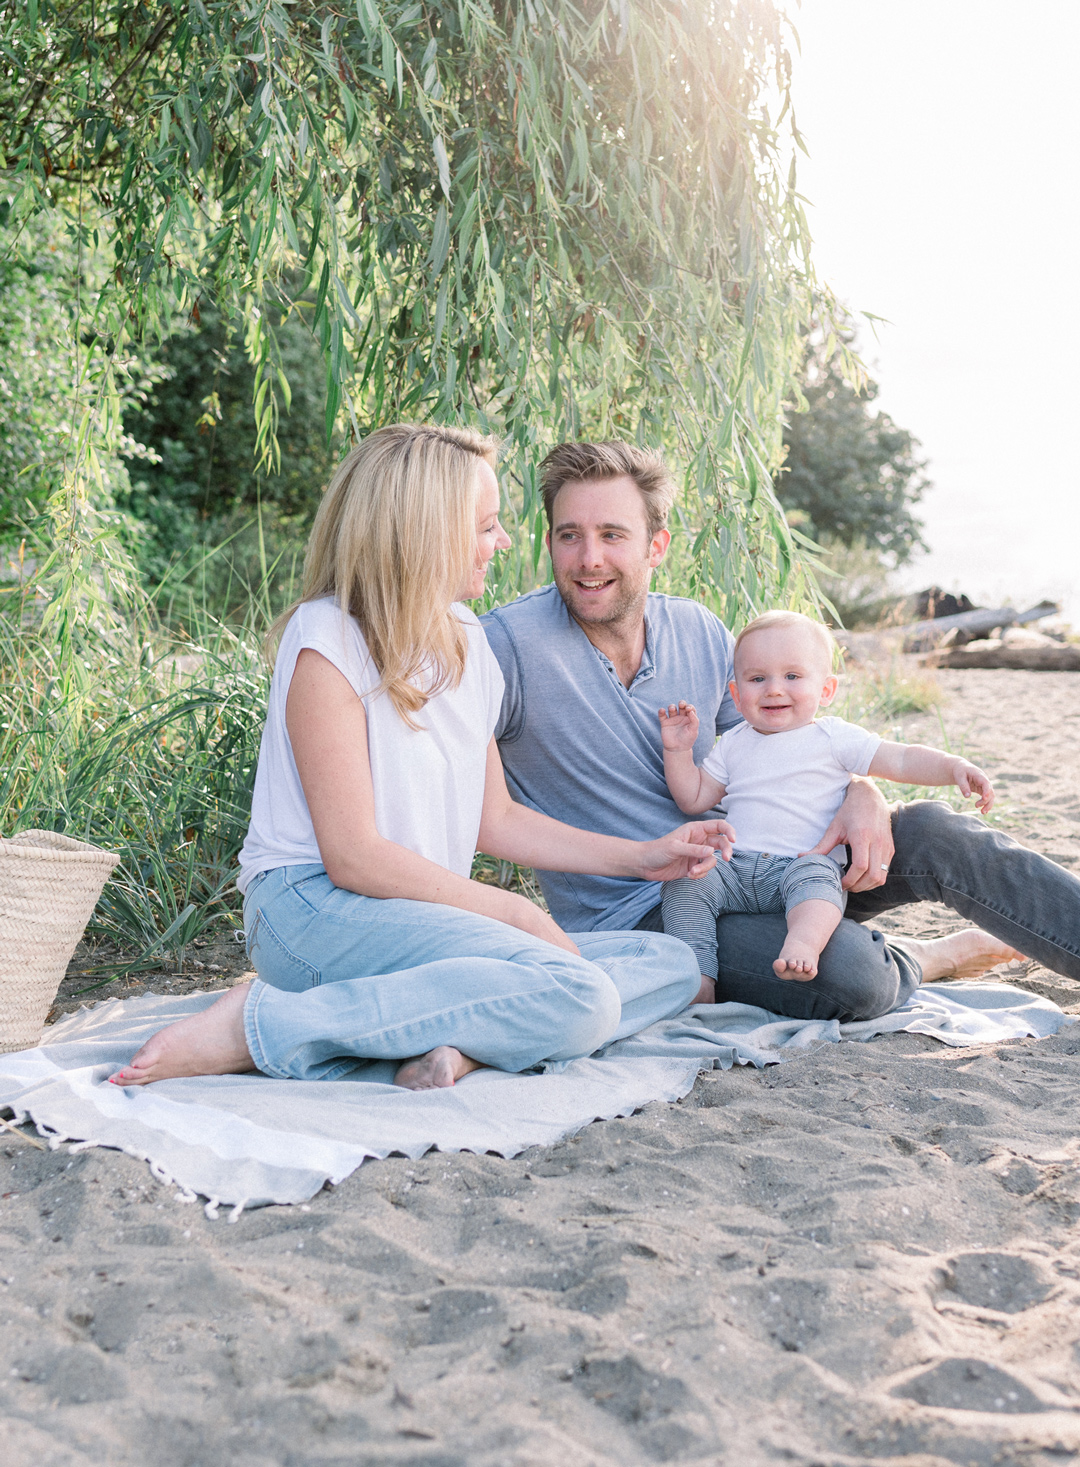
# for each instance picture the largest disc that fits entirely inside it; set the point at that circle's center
(797, 960)
(436, 1070)
(210, 1043)
(966, 954)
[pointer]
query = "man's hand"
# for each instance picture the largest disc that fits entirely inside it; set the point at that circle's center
(678, 727)
(970, 780)
(862, 822)
(688, 851)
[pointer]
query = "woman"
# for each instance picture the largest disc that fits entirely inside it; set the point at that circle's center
(378, 779)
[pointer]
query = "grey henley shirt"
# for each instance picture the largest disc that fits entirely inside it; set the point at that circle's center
(579, 746)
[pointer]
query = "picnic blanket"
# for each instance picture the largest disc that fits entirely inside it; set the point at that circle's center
(248, 1140)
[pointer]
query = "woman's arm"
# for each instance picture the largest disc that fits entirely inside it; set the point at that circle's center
(328, 731)
(513, 832)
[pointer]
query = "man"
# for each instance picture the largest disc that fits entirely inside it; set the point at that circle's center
(587, 662)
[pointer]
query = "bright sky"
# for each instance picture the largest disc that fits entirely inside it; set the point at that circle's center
(944, 139)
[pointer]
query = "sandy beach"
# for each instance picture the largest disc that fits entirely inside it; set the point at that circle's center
(870, 1254)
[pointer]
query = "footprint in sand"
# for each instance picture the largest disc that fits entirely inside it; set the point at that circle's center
(1006, 1282)
(455, 1314)
(644, 1402)
(970, 1385)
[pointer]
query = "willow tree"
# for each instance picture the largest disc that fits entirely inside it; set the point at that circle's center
(547, 218)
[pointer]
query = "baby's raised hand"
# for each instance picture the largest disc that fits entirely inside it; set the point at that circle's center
(678, 727)
(970, 780)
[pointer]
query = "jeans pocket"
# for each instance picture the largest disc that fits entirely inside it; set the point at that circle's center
(310, 884)
(276, 963)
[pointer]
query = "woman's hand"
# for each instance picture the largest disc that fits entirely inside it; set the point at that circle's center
(688, 851)
(527, 917)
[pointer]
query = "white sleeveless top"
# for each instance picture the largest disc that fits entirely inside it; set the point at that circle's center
(429, 783)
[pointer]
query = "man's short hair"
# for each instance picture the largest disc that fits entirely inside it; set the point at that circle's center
(770, 619)
(572, 462)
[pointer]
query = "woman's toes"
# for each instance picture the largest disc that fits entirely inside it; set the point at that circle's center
(209, 1043)
(437, 1070)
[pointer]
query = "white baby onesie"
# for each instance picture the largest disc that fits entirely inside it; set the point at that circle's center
(783, 789)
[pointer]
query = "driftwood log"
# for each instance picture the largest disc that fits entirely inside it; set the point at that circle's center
(1058, 657)
(924, 636)
(969, 626)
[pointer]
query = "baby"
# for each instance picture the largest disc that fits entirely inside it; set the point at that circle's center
(783, 775)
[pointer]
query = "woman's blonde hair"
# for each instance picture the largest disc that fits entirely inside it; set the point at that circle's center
(394, 542)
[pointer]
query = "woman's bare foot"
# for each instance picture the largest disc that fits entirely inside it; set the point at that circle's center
(436, 1070)
(797, 960)
(707, 992)
(210, 1043)
(964, 954)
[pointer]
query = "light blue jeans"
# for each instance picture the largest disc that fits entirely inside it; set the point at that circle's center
(344, 978)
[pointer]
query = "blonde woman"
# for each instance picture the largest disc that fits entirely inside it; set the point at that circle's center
(378, 779)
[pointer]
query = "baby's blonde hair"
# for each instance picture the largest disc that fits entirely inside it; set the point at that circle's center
(771, 619)
(394, 542)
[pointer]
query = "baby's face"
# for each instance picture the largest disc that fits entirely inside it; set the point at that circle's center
(783, 675)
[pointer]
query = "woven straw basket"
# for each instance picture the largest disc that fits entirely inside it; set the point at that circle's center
(49, 885)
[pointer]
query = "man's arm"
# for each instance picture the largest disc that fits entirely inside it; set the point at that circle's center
(864, 823)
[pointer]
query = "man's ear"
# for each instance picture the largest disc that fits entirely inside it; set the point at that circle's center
(828, 692)
(734, 691)
(658, 547)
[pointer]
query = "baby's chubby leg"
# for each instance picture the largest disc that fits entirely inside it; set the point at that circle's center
(814, 901)
(691, 910)
(810, 925)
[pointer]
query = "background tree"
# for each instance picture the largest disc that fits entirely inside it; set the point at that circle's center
(201, 488)
(851, 476)
(552, 220)
(39, 399)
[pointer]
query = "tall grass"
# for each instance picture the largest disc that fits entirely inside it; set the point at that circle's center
(150, 750)
(876, 696)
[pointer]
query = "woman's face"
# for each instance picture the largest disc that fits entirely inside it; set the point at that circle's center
(490, 535)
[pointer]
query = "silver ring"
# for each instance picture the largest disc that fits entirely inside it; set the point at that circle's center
(884, 868)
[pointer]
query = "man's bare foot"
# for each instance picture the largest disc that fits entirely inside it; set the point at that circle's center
(707, 992)
(964, 954)
(210, 1043)
(797, 960)
(436, 1070)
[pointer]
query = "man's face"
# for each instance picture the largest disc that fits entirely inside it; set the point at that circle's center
(602, 554)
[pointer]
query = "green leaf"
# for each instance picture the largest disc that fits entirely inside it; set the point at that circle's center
(439, 325)
(440, 241)
(438, 147)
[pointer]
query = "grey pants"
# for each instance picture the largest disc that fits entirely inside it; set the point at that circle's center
(751, 882)
(941, 856)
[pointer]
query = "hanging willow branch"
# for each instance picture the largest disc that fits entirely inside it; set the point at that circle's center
(552, 219)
